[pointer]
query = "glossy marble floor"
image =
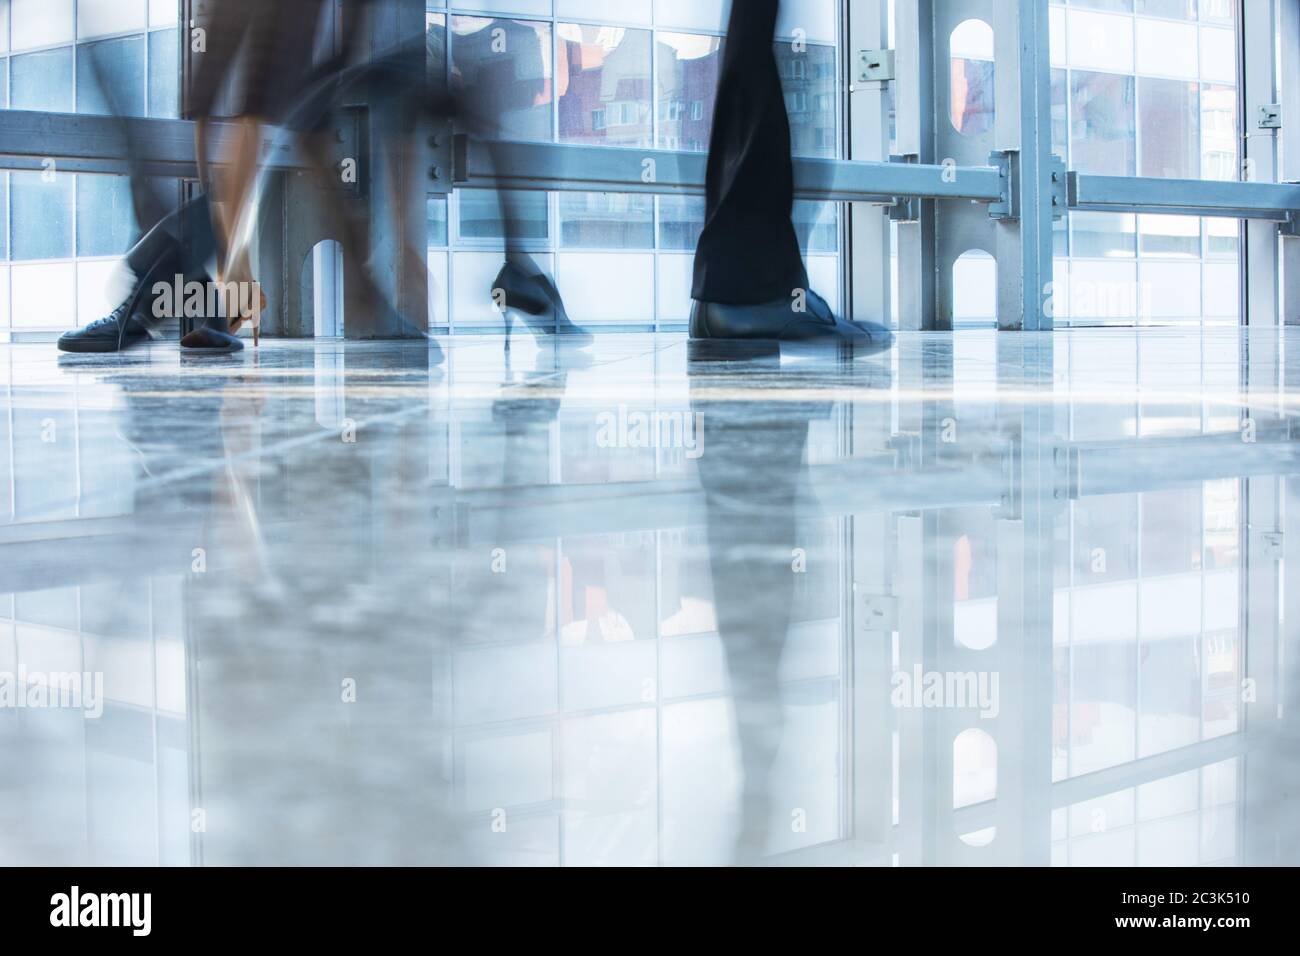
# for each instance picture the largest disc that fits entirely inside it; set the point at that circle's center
(984, 599)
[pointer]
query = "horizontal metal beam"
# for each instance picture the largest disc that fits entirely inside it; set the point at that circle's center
(564, 167)
(83, 143)
(1184, 197)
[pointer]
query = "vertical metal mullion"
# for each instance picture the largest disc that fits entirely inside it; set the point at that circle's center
(1023, 122)
(865, 253)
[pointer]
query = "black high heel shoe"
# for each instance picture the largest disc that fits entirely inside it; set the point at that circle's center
(537, 299)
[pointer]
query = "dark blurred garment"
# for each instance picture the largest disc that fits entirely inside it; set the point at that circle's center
(748, 252)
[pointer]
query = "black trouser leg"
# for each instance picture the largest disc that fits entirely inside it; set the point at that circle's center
(748, 252)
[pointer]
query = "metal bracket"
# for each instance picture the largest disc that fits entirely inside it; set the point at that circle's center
(1270, 116)
(1007, 161)
(440, 160)
(349, 154)
(905, 208)
(877, 66)
(1271, 545)
(879, 613)
(1060, 188)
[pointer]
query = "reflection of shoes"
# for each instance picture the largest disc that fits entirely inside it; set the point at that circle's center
(130, 324)
(775, 323)
(210, 341)
(537, 299)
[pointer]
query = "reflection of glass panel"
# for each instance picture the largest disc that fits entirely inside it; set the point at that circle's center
(681, 220)
(1169, 706)
(607, 220)
(480, 214)
(42, 81)
(688, 80)
(105, 215)
(603, 81)
(110, 77)
(42, 216)
(608, 594)
(808, 79)
(506, 67)
(1105, 542)
(1102, 124)
(686, 588)
(1169, 128)
(1102, 722)
(1171, 531)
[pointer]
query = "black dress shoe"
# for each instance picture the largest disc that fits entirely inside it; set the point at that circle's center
(130, 324)
(536, 298)
(768, 325)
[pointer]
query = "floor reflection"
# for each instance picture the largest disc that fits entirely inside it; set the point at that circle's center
(986, 599)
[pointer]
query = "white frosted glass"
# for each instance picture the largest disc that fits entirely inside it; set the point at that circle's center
(1100, 41)
(44, 296)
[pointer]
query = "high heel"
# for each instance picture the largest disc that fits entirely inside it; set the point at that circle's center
(509, 319)
(536, 298)
(254, 320)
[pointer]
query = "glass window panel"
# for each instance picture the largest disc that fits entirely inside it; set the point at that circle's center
(602, 287)
(163, 13)
(1169, 128)
(506, 65)
(4, 217)
(688, 79)
(808, 79)
(437, 221)
(1166, 48)
(38, 23)
(972, 77)
(105, 215)
(1103, 234)
(480, 214)
(817, 225)
(1119, 5)
(1219, 136)
(164, 74)
(607, 220)
(1102, 124)
(42, 81)
(1222, 237)
(110, 77)
(1100, 41)
(603, 80)
(41, 215)
(1169, 236)
(681, 220)
(1174, 9)
(97, 18)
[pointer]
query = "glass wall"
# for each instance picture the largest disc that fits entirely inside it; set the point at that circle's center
(1146, 88)
(626, 75)
(64, 233)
